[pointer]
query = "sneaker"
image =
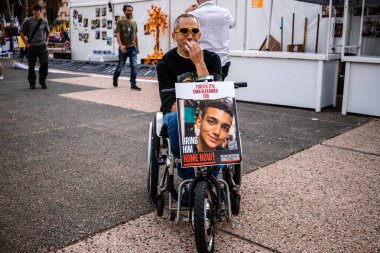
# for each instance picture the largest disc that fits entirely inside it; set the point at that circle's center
(135, 87)
(32, 86)
(1, 77)
(115, 84)
(43, 86)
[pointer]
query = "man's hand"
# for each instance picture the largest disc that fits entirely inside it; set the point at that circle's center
(191, 8)
(123, 49)
(195, 52)
(196, 56)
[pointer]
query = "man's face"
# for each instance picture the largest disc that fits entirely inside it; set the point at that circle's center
(128, 12)
(188, 22)
(214, 128)
(36, 14)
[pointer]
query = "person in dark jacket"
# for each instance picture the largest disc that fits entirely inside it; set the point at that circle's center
(37, 47)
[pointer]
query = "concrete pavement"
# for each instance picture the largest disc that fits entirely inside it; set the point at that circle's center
(73, 171)
(322, 199)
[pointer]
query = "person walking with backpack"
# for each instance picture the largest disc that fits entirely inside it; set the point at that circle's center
(37, 31)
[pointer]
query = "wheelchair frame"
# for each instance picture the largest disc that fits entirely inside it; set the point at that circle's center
(225, 189)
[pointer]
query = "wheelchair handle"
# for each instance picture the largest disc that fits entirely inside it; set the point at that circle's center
(166, 91)
(240, 85)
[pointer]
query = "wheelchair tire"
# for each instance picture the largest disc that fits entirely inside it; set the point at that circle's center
(153, 170)
(237, 176)
(160, 205)
(203, 219)
(235, 204)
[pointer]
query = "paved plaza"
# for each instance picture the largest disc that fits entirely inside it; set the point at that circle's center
(73, 174)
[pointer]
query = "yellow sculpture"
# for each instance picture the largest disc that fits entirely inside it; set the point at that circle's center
(156, 24)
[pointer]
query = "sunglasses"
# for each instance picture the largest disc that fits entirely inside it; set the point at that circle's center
(185, 31)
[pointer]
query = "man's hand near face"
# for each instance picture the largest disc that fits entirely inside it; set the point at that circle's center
(196, 55)
(195, 52)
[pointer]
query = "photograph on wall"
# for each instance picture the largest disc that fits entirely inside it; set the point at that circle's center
(86, 36)
(104, 11)
(85, 22)
(104, 35)
(97, 23)
(326, 11)
(338, 30)
(75, 24)
(80, 18)
(339, 12)
(377, 29)
(75, 14)
(146, 31)
(97, 35)
(109, 41)
(117, 19)
(104, 23)
(357, 11)
(374, 11)
(208, 125)
(368, 28)
(97, 12)
(93, 24)
(80, 36)
(109, 24)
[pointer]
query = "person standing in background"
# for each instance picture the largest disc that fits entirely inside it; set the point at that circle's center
(36, 46)
(215, 23)
(126, 34)
(3, 42)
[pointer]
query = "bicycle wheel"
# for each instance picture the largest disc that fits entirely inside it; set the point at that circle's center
(153, 167)
(203, 219)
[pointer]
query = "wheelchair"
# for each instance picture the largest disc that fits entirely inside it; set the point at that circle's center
(211, 199)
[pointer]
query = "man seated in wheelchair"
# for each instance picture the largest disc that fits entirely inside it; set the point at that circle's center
(184, 63)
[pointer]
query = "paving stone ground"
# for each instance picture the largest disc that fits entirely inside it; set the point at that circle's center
(73, 170)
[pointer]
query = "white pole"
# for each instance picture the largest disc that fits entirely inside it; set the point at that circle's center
(245, 25)
(361, 29)
(270, 23)
(345, 24)
(329, 32)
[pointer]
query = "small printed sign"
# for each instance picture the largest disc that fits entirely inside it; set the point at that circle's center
(257, 3)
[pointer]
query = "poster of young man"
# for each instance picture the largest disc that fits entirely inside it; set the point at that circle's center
(208, 125)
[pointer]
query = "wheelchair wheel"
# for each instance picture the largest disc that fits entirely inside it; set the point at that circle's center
(203, 219)
(235, 204)
(237, 176)
(160, 205)
(153, 167)
(235, 197)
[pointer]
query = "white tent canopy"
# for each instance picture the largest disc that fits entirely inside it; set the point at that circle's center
(250, 31)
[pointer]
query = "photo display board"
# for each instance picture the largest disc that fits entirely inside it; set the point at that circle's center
(208, 125)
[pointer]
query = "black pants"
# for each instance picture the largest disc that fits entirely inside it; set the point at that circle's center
(225, 69)
(42, 54)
